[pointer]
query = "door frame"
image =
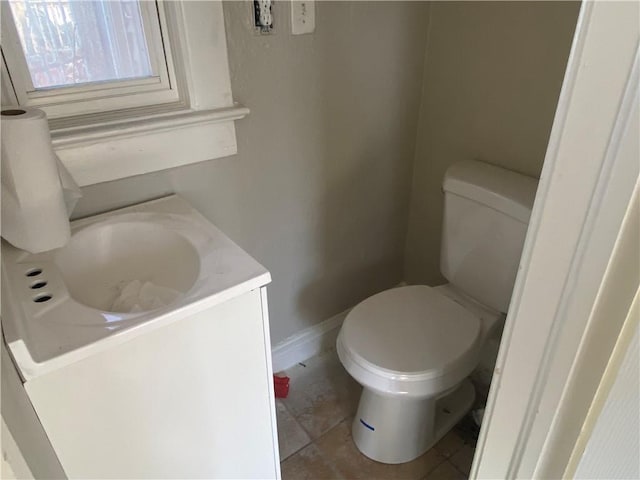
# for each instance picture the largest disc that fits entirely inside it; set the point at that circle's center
(533, 415)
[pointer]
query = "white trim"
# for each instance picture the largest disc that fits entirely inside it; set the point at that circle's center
(266, 331)
(76, 136)
(307, 343)
(196, 139)
(585, 340)
(584, 191)
(194, 25)
(625, 350)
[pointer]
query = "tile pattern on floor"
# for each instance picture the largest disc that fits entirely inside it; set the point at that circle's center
(314, 430)
(321, 394)
(291, 436)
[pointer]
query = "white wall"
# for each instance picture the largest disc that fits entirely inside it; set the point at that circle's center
(493, 72)
(319, 190)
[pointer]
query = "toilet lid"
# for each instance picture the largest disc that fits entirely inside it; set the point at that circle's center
(410, 330)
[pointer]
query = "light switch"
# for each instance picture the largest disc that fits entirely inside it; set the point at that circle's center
(303, 16)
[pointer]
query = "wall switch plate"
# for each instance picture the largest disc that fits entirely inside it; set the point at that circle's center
(303, 16)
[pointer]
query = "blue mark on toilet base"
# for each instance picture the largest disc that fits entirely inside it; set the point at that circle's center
(367, 425)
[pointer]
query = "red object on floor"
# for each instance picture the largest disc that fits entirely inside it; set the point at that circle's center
(281, 386)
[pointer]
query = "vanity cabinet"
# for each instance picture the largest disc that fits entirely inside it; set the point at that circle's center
(193, 398)
(180, 390)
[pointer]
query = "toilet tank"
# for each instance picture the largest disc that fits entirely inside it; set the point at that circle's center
(485, 219)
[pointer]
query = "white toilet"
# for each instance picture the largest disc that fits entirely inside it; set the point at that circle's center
(412, 348)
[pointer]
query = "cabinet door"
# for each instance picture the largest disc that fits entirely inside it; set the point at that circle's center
(190, 399)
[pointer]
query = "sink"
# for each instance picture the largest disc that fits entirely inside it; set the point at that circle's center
(62, 305)
(100, 261)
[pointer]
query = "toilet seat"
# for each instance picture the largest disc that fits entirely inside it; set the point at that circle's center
(410, 340)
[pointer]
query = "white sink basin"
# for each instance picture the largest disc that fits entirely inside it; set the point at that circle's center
(60, 306)
(100, 261)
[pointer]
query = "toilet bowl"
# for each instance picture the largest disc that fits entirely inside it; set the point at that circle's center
(412, 348)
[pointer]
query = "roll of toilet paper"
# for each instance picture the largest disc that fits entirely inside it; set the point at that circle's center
(34, 216)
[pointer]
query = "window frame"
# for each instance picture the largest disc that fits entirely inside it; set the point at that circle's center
(107, 144)
(65, 101)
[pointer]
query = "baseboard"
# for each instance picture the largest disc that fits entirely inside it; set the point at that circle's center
(310, 341)
(307, 343)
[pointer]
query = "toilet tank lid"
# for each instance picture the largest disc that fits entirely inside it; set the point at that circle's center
(504, 190)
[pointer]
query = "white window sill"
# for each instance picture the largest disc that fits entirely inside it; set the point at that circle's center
(110, 150)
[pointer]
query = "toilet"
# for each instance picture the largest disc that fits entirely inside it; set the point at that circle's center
(413, 347)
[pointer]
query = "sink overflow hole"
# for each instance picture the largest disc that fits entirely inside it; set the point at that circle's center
(42, 298)
(38, 284)
(33, 272)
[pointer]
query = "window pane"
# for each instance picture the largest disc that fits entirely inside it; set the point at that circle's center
(69, 42)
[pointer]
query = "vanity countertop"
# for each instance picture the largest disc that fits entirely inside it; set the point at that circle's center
(45, 336)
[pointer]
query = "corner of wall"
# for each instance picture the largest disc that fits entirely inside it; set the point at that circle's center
(408, 275)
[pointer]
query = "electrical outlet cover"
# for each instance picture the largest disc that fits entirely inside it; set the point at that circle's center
(263, 15)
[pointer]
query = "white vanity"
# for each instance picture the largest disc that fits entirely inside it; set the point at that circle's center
(181, 390)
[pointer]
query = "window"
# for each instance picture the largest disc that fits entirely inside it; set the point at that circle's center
(73, 57)
(129, 86)
(69, 43)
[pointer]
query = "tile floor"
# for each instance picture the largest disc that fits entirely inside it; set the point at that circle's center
(314, 426)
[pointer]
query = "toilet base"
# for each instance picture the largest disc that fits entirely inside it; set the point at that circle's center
(396, 429)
